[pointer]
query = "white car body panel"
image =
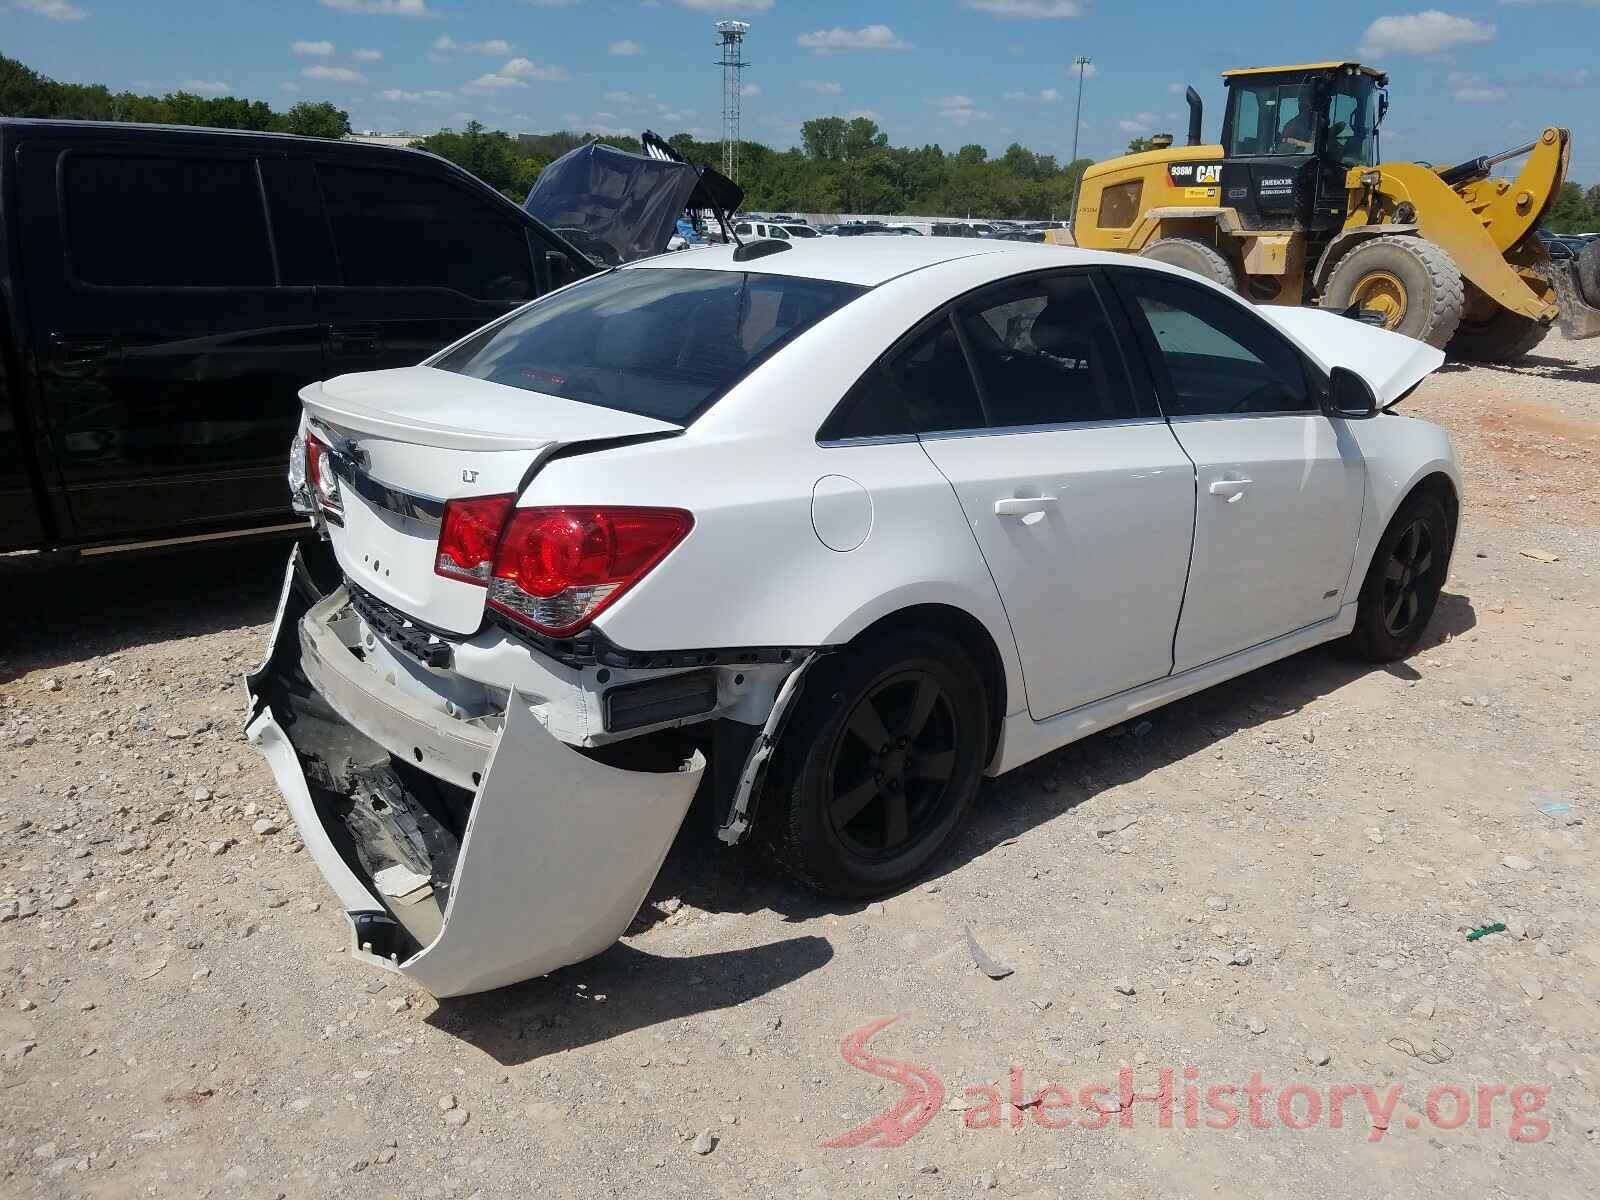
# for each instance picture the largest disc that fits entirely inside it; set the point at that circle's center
(1090, 576)
(1137, 586)
(1278, 505)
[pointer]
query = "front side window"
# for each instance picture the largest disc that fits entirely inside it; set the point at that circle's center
(399, 229)
(1045, 353)
(661, 343)
(1218, 357)
(1273, 117)
(150, 221)
(1353, 122)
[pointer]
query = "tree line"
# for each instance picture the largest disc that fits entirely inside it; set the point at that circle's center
(841, 165)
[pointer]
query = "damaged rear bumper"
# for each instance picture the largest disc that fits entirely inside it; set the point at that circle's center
(505, 854)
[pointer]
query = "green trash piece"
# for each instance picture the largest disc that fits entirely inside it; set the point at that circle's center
(1485, 930)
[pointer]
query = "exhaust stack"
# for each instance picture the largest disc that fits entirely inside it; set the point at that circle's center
(1196, 109)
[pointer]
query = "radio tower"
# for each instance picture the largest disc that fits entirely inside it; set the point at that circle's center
(731, 34)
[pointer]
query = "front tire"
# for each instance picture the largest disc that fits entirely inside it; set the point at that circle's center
(879, 768)
(1413, 283)
(1403, 583)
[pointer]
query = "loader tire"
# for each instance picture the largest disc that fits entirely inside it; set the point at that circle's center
(1411, 281)
(1193, 255)
(1503, 338)
(1589, 273)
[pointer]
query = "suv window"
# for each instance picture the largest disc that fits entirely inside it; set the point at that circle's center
(135, 220)
(399, 229)
(1045, 353)
(1218, 357)
(659, 342)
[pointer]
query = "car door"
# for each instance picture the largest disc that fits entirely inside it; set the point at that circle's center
(1079, 497)
(1279, 484)
(168, 348)
(422, 261)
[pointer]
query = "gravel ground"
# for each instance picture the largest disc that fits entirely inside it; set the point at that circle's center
(1273, 878)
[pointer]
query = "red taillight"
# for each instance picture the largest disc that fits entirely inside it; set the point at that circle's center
(320, 475)
(468, 537)
(558, 568)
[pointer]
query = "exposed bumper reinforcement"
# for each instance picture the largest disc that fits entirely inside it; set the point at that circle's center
(557, 851)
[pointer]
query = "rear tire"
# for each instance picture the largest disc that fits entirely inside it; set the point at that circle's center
(1403, 583)
(1413, 282)
(858, 820)
(1194, 255)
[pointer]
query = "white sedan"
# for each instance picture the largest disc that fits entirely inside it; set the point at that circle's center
(823, 536)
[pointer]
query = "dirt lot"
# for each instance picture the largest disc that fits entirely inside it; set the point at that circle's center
(1271, 879)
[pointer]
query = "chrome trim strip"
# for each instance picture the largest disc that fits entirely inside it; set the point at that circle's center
(424, 509)
(1054, 427)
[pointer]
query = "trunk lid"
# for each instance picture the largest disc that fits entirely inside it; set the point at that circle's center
(407, 441)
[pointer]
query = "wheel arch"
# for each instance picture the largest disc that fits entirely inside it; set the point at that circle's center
(1438, 477)
(970, 632)
(1346, 241)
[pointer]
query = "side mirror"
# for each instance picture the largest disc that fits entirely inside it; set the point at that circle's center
(1350, 396)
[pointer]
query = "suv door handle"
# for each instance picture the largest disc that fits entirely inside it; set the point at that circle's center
(1024, 506)
(74, 354)
(355, 339)
(1233, 489)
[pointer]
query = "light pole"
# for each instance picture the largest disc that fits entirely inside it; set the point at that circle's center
(1081, 62)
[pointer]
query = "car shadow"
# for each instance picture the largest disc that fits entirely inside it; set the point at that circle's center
(620, 991)
(1535, 366)
(700, 872)
(57, 615)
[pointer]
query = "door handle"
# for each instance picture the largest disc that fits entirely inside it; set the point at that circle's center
(77, 354)
(1024, 506)
(1233, 489)
(355, 339)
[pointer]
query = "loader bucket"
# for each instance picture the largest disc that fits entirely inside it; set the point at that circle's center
(1579, 319)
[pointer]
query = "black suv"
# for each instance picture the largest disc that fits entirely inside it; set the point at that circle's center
(165, 293)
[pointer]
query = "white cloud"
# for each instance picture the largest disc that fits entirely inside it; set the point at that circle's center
(626, 48)
(313, 49)
(205, 87)
(621, 99)
(289, 85)
(725, 6)
(492, 82)
(823, 87)
(366, 55)
(1035, 10)
(492, 48)
(1177, 89)
(522, 68)
(1015, 96)
(334, 74)
(53, 10)
(1430, 32)
(401, 96)
(1049, 96)
(1473, 89)
(382, 8)
(750, 89)
(960, 110)
(1144, 122)
(840, 41)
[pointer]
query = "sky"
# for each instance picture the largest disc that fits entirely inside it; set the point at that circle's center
(1470, 79)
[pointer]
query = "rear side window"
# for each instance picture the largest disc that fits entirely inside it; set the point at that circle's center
(1219, 358)
(658, 342)
(1045, 353)
(922, 387)
(153, 221)
(398, 229)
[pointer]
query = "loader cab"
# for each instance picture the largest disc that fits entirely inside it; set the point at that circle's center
(1290, 136)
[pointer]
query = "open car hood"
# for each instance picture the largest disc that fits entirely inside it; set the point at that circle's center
(1391, 362)
(616, 206)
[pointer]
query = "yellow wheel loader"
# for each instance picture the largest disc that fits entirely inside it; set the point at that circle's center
(1297, 206)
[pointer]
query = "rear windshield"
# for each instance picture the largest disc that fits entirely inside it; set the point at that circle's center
(663, 343)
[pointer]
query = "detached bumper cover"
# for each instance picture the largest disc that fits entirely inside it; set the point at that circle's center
(557, 852)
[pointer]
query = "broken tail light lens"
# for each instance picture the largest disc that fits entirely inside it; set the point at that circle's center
(468, 536)
(558, 568)
(320, 474)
